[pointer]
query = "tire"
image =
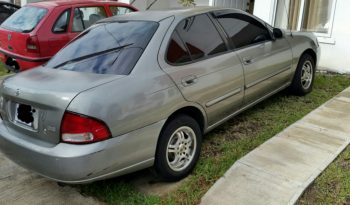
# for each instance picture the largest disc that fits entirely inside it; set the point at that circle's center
(180, 139)
(304, 76)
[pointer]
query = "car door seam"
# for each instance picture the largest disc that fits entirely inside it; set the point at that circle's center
(211, 127)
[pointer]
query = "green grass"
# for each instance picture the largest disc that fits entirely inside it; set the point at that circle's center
(333, 185)
(3, 71)
(223, 146)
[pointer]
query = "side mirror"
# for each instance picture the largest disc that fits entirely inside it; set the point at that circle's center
(277, 33)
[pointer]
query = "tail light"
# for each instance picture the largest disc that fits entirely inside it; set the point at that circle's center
(78, 129)
(33, 44)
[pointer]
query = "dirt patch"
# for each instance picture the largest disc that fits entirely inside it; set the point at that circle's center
(231, 131)
(345, 164)
(347, 202)
(146, 182)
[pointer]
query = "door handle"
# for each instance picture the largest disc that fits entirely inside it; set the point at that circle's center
(247, 61)
(189, 80)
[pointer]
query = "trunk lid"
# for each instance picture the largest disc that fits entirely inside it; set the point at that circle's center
(13, 41)
(41, 96)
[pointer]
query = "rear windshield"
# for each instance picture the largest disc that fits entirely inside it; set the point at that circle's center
(25, 19)
(106, 48)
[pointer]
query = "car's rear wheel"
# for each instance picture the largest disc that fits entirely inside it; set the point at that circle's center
(178, 148)
(304, 76)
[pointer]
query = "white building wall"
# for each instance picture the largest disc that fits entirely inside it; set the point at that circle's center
(335, 50)
(265, 9)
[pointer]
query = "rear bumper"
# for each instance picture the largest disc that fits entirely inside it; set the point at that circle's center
(84, 163)
(24, 62)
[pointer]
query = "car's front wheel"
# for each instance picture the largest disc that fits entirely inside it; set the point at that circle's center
(304, 76)
(178, 148)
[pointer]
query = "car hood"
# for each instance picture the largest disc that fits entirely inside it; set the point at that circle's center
(50, 91)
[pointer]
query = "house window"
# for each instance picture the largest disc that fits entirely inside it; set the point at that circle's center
(306, 15)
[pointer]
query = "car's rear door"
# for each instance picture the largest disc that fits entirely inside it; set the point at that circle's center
(267, 61)
(57, 31)
(200, 63)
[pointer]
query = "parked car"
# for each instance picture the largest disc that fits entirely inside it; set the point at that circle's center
(38, 31)
(6, 10)
(140, 90)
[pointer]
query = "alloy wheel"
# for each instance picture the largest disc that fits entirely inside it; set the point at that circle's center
(307, 74)
(181, 148)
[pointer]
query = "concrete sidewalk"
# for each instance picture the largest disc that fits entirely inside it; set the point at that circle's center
(278, 171)
(21, 187)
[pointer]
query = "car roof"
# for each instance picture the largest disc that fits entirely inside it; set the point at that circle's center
(55, 3)
(158, 15)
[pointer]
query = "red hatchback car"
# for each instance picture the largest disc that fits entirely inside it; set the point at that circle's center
(36, 32)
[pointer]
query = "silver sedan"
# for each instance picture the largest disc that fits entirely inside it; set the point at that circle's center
(141, 90)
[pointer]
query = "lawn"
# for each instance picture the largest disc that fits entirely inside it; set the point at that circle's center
(333, 185)
(3, 71)
(223, 146)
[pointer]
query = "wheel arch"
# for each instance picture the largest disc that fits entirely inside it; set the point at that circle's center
(311, 52)
(192, 111)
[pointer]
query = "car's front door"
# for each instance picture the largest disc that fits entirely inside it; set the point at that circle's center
(85, 16)
(267, 61)
(203, 68)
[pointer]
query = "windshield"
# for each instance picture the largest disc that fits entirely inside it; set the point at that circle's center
(106, 48)
(25, 19)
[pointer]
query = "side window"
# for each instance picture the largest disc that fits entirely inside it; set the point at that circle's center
(61, 24)
(243, 30)
(200, 37)
(86, 16)
(118, 10)
(177, 51)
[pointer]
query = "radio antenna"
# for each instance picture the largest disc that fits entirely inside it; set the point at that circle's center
(288, 16)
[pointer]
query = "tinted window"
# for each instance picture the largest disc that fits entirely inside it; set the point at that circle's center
(117, 10)
(106, 48)
(25, 19)
(177, 52)
(200, 37)
(61, 24)
(87, 16)
(243, 30)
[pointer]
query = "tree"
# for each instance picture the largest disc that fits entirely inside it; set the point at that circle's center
(187, 3)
